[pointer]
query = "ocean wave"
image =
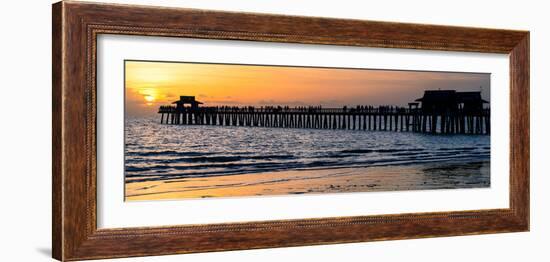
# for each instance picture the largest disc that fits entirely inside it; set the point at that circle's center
(167, 153)
(383, 150)
(202, 170)
(456, 148)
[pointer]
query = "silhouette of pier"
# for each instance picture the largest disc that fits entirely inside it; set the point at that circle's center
(441, 113)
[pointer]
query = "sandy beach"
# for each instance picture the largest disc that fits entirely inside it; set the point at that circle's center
(384, 178)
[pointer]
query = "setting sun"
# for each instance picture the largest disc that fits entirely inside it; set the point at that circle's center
(149, 98)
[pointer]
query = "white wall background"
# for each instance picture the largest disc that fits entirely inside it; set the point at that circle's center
(25, 130)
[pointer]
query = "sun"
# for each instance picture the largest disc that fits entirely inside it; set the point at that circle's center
(149, 95)
(149, 98)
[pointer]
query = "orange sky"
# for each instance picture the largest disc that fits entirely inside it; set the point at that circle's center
(151, 84)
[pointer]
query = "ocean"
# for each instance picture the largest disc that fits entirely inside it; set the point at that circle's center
(158, 153)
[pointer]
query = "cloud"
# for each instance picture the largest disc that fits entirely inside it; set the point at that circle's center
(221, 102)
(278, 102)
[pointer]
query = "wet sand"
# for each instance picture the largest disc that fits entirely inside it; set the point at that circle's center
(385, 178)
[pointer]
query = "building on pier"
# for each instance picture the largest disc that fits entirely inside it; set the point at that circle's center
(450, 101)
(180, 104)
(471, 102)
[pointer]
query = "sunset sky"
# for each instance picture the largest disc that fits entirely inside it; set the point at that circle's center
(151, 84)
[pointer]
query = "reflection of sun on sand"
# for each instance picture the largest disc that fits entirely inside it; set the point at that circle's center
(410, 177)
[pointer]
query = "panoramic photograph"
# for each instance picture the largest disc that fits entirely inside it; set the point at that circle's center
(204, 130)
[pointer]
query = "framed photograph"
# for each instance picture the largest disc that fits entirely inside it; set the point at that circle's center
(180, 130)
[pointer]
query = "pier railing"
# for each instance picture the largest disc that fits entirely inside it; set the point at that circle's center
(382, 118)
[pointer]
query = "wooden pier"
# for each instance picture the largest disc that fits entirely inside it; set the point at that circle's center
(370, 118)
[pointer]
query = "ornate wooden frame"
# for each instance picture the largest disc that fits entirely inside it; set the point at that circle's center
(76, 26)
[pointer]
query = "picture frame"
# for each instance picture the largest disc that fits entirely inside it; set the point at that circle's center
(75, 29)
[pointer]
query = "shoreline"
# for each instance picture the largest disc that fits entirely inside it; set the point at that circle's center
(426, 176)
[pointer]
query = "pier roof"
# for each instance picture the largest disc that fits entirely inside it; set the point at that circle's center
(187, 100)
(451, 95)
(465, 97)
(437, 95)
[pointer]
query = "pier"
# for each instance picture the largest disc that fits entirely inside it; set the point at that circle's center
(466, 118)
